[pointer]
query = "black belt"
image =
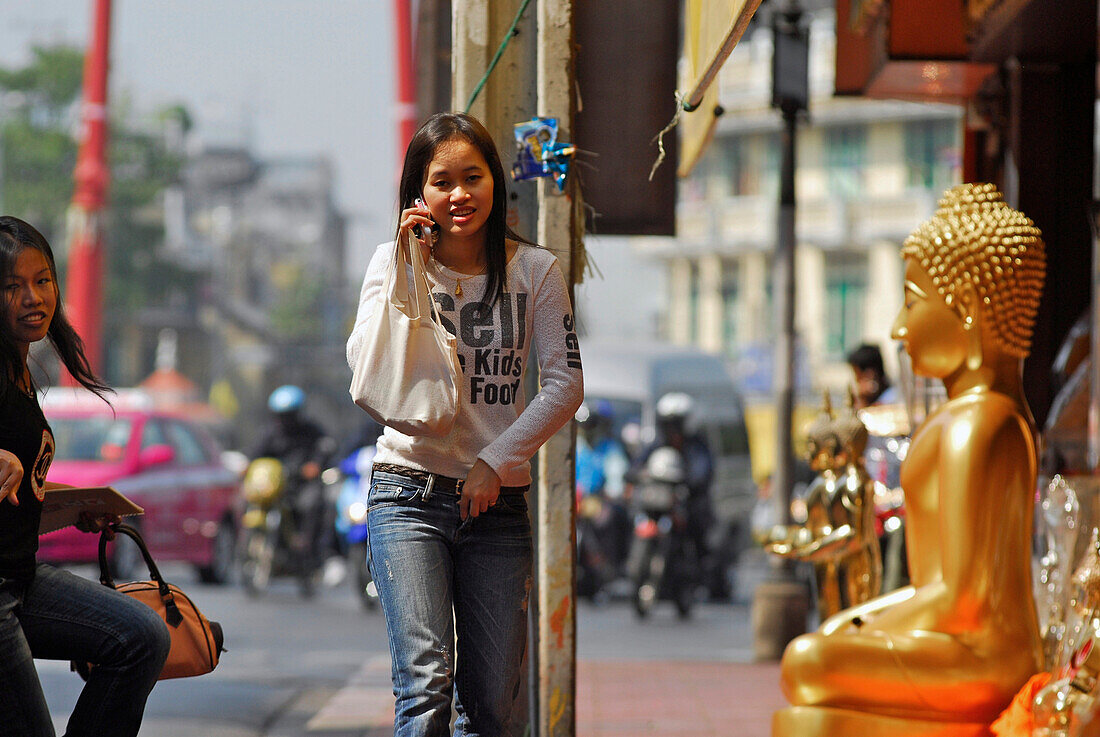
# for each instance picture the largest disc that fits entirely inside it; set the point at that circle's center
(438, 481)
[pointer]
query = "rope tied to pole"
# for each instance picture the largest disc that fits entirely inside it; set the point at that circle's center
(512, 31)
(659, 139)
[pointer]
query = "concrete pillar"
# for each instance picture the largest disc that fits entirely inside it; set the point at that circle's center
(753, 290)
(508, 97)
(679, 301)
(711, 317)
(885, 294)
(560, 228)
(812, 302)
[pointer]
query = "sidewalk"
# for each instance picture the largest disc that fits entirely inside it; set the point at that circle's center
(676, 699)
(614, 699)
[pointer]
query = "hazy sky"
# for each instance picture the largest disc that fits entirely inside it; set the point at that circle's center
(302, 76)
(294, 76)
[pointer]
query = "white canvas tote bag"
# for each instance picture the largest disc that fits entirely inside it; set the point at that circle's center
(407, 373)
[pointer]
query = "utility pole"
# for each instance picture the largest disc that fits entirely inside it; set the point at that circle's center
(501, 99)
(508, 95)
(85, 259)
(560, 228)
(781, 603)
(406, 77)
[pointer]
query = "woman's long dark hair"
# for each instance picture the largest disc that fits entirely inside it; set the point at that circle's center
(439, 129)
(16, 236)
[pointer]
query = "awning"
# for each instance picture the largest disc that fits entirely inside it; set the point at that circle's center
(712, 29)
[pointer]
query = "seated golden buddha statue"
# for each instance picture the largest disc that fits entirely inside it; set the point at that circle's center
(946, 655)
(839, 534)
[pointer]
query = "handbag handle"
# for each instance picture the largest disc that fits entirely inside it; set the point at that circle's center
(105, 570)
(172, 613)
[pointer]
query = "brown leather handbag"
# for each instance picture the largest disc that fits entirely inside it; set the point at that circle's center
(196, 641)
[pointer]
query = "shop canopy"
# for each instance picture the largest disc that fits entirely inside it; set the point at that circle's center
(712, 29)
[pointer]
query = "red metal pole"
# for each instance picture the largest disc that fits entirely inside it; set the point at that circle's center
(406, 76)
(84, 293)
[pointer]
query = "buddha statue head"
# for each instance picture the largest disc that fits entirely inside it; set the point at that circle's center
(822, 444)
(974, 275)
(851, 431)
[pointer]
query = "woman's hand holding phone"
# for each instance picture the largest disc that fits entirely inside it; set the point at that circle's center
(419, 221)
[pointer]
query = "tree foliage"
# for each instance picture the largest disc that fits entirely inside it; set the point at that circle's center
(39, 112)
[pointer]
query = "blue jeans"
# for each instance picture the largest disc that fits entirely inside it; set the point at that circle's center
(439, 579)
(60, 616)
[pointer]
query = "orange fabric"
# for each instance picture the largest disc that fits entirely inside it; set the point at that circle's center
(1017, 720)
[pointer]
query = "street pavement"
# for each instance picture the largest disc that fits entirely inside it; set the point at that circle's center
(659, 677)
(662, 688)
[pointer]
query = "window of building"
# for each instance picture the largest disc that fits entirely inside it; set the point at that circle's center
(846, 158)
(845, 295)
(765, 179)
(733, 165)
(932, 153)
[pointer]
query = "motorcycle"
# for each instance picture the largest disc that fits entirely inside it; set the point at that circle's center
(595, 568)
(272, 543)
(663, 562)
(351, 523)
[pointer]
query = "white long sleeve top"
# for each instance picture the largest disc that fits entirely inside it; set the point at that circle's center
(494, 423)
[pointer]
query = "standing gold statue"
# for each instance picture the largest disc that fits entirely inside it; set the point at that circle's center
(839, 534)
(945, 655)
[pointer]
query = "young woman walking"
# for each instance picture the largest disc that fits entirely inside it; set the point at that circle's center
(448, 531)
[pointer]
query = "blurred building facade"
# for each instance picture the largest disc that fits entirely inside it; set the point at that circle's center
(273, 300)
(868, 172)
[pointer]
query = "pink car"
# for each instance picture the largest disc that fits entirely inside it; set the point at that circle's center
(165, 463)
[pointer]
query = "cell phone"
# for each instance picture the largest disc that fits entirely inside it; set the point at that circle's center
(420, 204)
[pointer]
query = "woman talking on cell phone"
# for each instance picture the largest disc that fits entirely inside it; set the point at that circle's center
(45, 612)
(448, 531)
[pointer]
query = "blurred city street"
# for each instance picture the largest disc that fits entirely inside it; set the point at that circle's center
(218, 187)
(321, 667)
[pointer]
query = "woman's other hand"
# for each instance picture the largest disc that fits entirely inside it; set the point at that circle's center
(417, 217)
(479, 491)
(11, 476)
(90, 522)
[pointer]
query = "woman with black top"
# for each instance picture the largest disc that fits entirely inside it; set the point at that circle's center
(45, 612)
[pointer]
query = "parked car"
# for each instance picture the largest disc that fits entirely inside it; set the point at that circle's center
(164, 462)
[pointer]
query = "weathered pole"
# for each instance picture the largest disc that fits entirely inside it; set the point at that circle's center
(781, 603)
(560, 228)
(501, 99)
(508, 94)
(84, 293)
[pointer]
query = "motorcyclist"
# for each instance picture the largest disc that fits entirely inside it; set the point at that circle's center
(304, 449)
(601, 466)
(674, 411)
(601, 459)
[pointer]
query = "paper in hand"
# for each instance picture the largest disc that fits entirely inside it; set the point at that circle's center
(62, 507)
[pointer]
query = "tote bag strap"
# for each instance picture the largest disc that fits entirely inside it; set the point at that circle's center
(396, 288)
(425, 305)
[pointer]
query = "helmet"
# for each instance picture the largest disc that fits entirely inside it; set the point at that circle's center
(675, 406)
(590, 413)
(666, 464)
(287, 398)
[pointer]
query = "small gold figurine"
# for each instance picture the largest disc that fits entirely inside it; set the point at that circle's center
(946, 655)
(839, 534)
